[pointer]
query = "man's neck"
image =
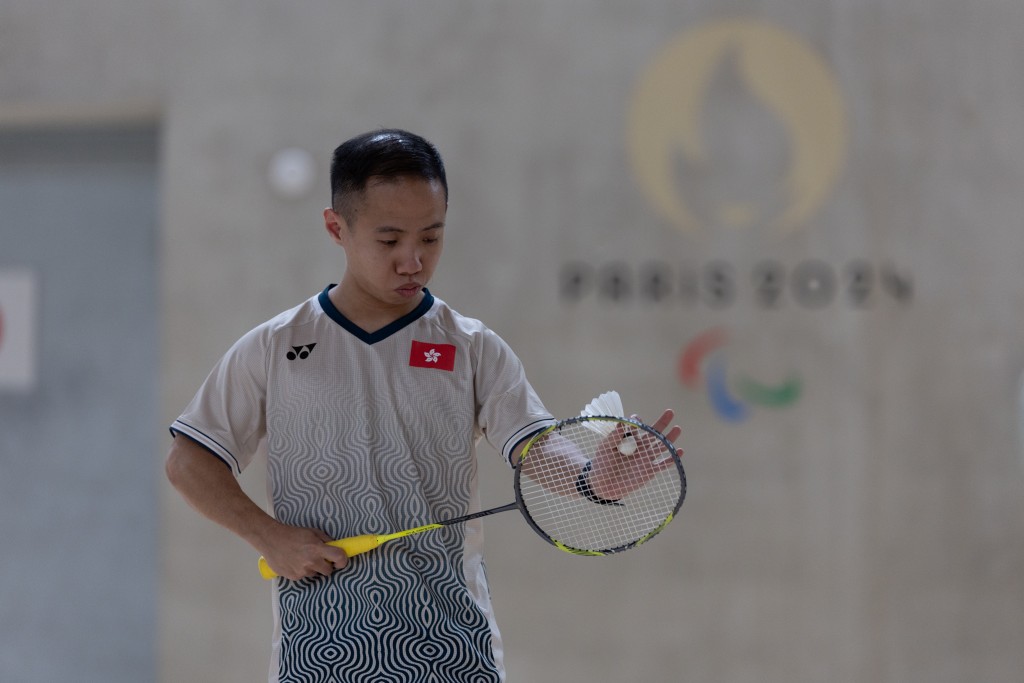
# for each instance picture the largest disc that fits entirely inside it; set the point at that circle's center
(366, 313)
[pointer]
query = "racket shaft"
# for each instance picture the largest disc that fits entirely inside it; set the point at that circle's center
(356, 545)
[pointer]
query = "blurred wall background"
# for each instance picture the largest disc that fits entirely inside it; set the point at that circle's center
(797, 222)
(78, 523)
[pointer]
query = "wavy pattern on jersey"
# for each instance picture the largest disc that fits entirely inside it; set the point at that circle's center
(401, 616)
(404, 611)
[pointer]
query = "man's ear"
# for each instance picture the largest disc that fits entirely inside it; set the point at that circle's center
(335, 226)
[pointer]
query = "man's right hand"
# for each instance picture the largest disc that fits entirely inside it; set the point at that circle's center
(299, 553)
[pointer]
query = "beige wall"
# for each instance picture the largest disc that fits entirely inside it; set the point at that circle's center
(873, 530)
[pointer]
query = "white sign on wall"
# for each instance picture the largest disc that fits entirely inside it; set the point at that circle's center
(18, 332)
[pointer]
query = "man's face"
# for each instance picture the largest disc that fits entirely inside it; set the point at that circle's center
(394, 240)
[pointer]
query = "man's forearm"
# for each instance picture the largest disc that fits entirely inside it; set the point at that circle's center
(210, 487)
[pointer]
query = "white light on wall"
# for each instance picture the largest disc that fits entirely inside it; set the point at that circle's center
(18, 334)
(292, 173)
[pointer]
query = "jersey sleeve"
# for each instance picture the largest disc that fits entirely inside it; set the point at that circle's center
(508, 409)
(227, 414)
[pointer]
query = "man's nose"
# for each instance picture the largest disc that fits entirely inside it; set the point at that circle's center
(410, 262)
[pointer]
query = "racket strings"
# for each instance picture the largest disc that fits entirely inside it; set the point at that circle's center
(553, 492)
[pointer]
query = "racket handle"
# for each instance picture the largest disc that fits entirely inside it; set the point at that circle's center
(353, 545)
(357, 545)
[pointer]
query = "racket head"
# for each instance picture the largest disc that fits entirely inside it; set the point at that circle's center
(574, 519)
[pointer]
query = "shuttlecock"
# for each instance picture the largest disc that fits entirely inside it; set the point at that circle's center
(628, 445)
(608, 404)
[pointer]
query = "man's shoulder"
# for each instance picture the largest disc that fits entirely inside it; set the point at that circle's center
(446, 317)
(306, 313)
(309, 311)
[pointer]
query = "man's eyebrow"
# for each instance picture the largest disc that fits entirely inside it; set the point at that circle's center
(390, 228)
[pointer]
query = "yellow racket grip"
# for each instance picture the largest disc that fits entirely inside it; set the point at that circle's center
(353, 545)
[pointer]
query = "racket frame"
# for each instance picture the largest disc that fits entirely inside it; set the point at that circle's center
(585, 552)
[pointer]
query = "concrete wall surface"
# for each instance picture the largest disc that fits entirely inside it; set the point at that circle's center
(797, 222)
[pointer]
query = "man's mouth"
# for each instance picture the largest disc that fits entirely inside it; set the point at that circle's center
(409, 290)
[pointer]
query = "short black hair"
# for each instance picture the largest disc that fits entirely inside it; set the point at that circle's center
(389, 154)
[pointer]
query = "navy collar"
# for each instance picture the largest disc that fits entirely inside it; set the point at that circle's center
(383, 333)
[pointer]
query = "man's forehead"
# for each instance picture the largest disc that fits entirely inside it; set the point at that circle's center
(376, 180)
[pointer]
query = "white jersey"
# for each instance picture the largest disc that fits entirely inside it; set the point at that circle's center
(371, 433)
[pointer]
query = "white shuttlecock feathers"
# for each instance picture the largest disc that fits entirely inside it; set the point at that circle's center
(607, 404)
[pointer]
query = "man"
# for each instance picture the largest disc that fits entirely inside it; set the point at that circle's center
(371, 397)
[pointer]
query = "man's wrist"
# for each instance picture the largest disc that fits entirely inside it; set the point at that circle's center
(584, 489)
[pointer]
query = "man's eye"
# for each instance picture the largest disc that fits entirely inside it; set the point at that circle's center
(388, 243)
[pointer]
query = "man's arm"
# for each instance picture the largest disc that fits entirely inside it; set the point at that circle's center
(210, 487)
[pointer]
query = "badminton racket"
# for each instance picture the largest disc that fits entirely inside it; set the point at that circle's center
(589, 485)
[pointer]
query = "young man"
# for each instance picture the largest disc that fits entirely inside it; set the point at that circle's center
(371, 397)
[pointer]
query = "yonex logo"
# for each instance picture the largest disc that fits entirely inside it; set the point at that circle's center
(704, 362)
(300, 352)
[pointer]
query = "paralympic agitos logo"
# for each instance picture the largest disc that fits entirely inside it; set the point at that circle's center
(704, 366)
